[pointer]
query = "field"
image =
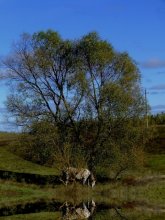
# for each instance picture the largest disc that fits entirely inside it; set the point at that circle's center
(141, 189)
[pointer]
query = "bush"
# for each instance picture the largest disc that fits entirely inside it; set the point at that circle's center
(39, 143)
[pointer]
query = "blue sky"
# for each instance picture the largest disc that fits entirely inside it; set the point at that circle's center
(135, 26)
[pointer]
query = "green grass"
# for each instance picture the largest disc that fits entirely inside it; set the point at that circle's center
(8, 135)
(6, 138)
(16, 193)
(11, 162)
(113, 193)
(156, 162)
(128, 214)
(136, 202)
(12, 193)
(35, 216)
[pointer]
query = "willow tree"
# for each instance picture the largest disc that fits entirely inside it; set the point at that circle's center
(87, 90)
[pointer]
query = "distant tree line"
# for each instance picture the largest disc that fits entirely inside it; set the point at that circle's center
(157, 119)
(157, 124)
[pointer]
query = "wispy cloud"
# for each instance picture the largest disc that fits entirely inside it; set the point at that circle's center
(158, 87)
(161, 72)
(153, 63)
(149, 80)
(157, 92)
(158, 108)
(154, 93)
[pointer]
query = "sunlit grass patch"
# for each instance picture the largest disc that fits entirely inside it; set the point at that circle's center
(12, 162)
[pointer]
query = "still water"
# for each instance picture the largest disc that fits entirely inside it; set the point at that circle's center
(85, 210)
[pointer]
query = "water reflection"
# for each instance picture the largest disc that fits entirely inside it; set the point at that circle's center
(82, 211)
(85, 210)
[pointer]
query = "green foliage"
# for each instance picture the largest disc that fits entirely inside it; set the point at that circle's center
(156, 143)
(158, 119)
(39, 145)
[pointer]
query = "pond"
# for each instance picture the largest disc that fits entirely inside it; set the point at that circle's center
(51, 210)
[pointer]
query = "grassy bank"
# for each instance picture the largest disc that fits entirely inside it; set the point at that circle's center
(14, 193)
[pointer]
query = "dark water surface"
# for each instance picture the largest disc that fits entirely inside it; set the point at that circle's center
(85, 210)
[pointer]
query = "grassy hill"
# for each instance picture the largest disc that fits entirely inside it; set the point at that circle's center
(6, 138)
(11, 162)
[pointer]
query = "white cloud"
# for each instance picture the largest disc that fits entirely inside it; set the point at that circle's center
(153, 63)
(158, 107)
(158, 87)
